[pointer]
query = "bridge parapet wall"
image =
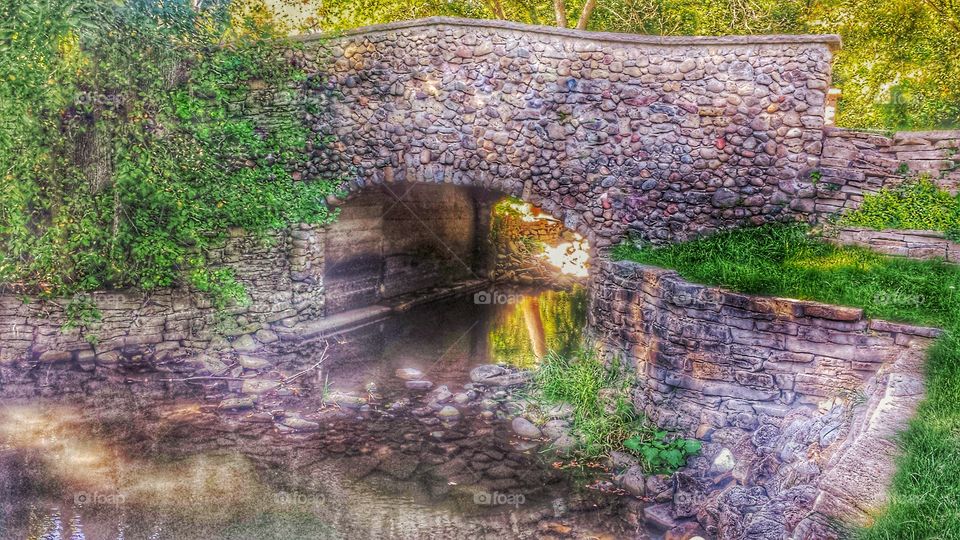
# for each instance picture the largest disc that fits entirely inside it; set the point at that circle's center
(669, 138)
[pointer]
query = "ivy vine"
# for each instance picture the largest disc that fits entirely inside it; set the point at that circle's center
(125, 153)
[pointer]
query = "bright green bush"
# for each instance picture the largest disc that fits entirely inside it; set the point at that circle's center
(122, 156)
(917, 204)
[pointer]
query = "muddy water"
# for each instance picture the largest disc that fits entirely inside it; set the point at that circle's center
(346, 451)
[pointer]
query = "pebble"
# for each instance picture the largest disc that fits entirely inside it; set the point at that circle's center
(449, 412)
(258, 386)
(343, 400)
(300, 424)
(237, 403)
(723, 463)
(253, 362)
(480, 374)
(554, 429)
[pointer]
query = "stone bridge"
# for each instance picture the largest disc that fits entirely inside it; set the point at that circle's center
(667, 137)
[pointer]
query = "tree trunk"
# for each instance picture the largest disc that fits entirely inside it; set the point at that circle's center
(560, 12)
(585, 14)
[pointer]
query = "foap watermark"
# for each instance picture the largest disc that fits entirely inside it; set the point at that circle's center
(689, 499)
(897, 298)
(495, 498)
(94, 498)
(701, 299)
(496, 298)
(284, 498)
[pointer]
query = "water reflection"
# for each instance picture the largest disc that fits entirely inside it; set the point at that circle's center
(139, 455)
(551, 321)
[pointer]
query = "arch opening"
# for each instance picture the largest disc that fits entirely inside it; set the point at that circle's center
(411, 242)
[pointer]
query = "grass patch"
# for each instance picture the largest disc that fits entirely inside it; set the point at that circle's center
(785, 261)
(604, 420)
(918, 204)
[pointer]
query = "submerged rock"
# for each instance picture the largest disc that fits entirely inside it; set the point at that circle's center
(560, 410)
(634, 481)
(245, 343)
(419, 385)
(565, 444)
(237, 403)
(439, 394)
(253, 362)
(723, 463)
(409, 374)
(525, 428)
(346, 401)
(448, 413)
(258, 386)
(480, 374)
(213, 366)
(300, 424)
(554, 429)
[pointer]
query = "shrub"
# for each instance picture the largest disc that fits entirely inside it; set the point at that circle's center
(124, 155)
(917, 204)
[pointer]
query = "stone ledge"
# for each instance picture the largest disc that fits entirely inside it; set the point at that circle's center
(830, 40)
(913, 244)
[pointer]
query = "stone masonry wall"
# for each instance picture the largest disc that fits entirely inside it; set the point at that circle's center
(902, 243)
(428, 238)
(805, 397)
(855, 164)
(282, 275)
(610, 133)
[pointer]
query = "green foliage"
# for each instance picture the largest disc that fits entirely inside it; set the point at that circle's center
(661, 453)
(784, 261)
(917, 204)
(604, 420)
(80, 311)
(122, 151)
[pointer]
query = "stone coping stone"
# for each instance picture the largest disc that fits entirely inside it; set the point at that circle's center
(830, 40)
(772, 304)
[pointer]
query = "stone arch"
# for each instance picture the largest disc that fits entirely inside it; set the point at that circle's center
(491, 193)
(668, 138)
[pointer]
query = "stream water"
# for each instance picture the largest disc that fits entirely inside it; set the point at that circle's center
(352, 450)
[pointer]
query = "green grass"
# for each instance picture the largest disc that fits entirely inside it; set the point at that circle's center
(604, 420)
(785, 261)
(581, 380)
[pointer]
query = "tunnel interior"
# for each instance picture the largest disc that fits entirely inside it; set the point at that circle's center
(401, 241)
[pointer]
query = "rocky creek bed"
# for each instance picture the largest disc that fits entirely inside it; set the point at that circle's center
(401, 429)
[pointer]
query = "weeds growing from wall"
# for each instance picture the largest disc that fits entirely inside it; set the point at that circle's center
(604, 419)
